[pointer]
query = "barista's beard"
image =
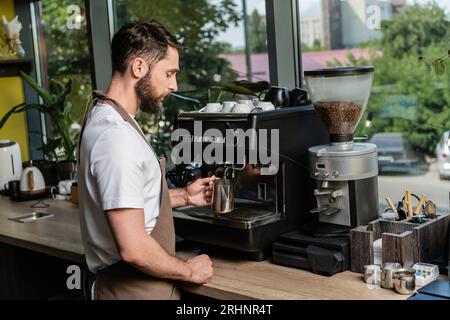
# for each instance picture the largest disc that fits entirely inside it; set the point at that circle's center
(147, 101)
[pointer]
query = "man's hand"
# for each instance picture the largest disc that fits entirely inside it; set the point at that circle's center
(201, 269)
(199, 192)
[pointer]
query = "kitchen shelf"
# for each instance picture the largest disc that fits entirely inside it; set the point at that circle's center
(11, 68)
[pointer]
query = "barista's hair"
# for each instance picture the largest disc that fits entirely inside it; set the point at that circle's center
(147, 39)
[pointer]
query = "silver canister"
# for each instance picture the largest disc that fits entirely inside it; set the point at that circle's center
(404, 281)
(222, 196)
(387, 272)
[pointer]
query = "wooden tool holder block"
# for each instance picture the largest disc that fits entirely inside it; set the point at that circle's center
(403, 241)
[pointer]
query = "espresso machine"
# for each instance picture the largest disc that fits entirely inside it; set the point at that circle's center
(268, 198)
(346, 191)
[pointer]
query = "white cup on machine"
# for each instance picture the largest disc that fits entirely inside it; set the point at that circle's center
(213, 107)
(228, 105)
(242, 108)
(247, 102)
(266, 105)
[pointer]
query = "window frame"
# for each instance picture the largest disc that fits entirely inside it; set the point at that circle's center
(36, 122)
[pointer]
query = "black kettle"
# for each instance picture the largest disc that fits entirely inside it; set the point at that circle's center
(283, 97)
(279, 96)
(298, 97)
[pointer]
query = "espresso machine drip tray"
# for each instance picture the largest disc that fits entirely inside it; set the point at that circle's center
(245, 215)
(242, 214)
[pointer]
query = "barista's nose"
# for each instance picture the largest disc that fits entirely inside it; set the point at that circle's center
(173, 85)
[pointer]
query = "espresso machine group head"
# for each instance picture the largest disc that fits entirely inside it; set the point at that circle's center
(269, 198)
(346, 172)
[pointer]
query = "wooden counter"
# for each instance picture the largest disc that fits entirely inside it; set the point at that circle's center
(240, 279)
(233, 278)
(57, 236)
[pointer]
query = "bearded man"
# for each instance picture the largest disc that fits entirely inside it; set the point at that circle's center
(125, 206)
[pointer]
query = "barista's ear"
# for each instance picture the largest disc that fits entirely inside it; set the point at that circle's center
(139, 68)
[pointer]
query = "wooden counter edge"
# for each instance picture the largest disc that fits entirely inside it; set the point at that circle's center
(51, 251)
(214, 293)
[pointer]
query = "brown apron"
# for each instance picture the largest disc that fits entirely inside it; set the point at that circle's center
(121, 280)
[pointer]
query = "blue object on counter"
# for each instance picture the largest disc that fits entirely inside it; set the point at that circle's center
(421, 296)
(436, 290)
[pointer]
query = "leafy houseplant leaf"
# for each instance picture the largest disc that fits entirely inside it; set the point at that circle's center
(234, 88)
(67, 89)
(22, 108)
(59, 111)
(51, 146)
(56, 87)
(255, 87)
(44, 94)
(15, 109)
(40, 107)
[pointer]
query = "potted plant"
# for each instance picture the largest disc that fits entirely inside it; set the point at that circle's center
(61, 146)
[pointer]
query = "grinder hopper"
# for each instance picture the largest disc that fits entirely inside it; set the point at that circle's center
(340, 97)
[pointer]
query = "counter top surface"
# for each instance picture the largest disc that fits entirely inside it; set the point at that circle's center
(58, 235)
(242, 279)
(233, 278)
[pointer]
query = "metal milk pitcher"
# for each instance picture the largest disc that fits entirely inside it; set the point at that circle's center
(223, 195)
(387, 272)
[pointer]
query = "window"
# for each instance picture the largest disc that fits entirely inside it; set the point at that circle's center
(218, 51)
(410, 103)
(64, 48)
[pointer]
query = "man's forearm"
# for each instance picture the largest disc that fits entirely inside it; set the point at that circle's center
(178, 197)
(152, 259)
(141, 250)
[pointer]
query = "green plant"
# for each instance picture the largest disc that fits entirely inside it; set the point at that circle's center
(438, 65)
(241, 87)
(62, 144)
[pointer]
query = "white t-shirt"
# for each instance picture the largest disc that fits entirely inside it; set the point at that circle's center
(117, 170)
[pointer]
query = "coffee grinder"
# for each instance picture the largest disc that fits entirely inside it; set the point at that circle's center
(345, 172)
